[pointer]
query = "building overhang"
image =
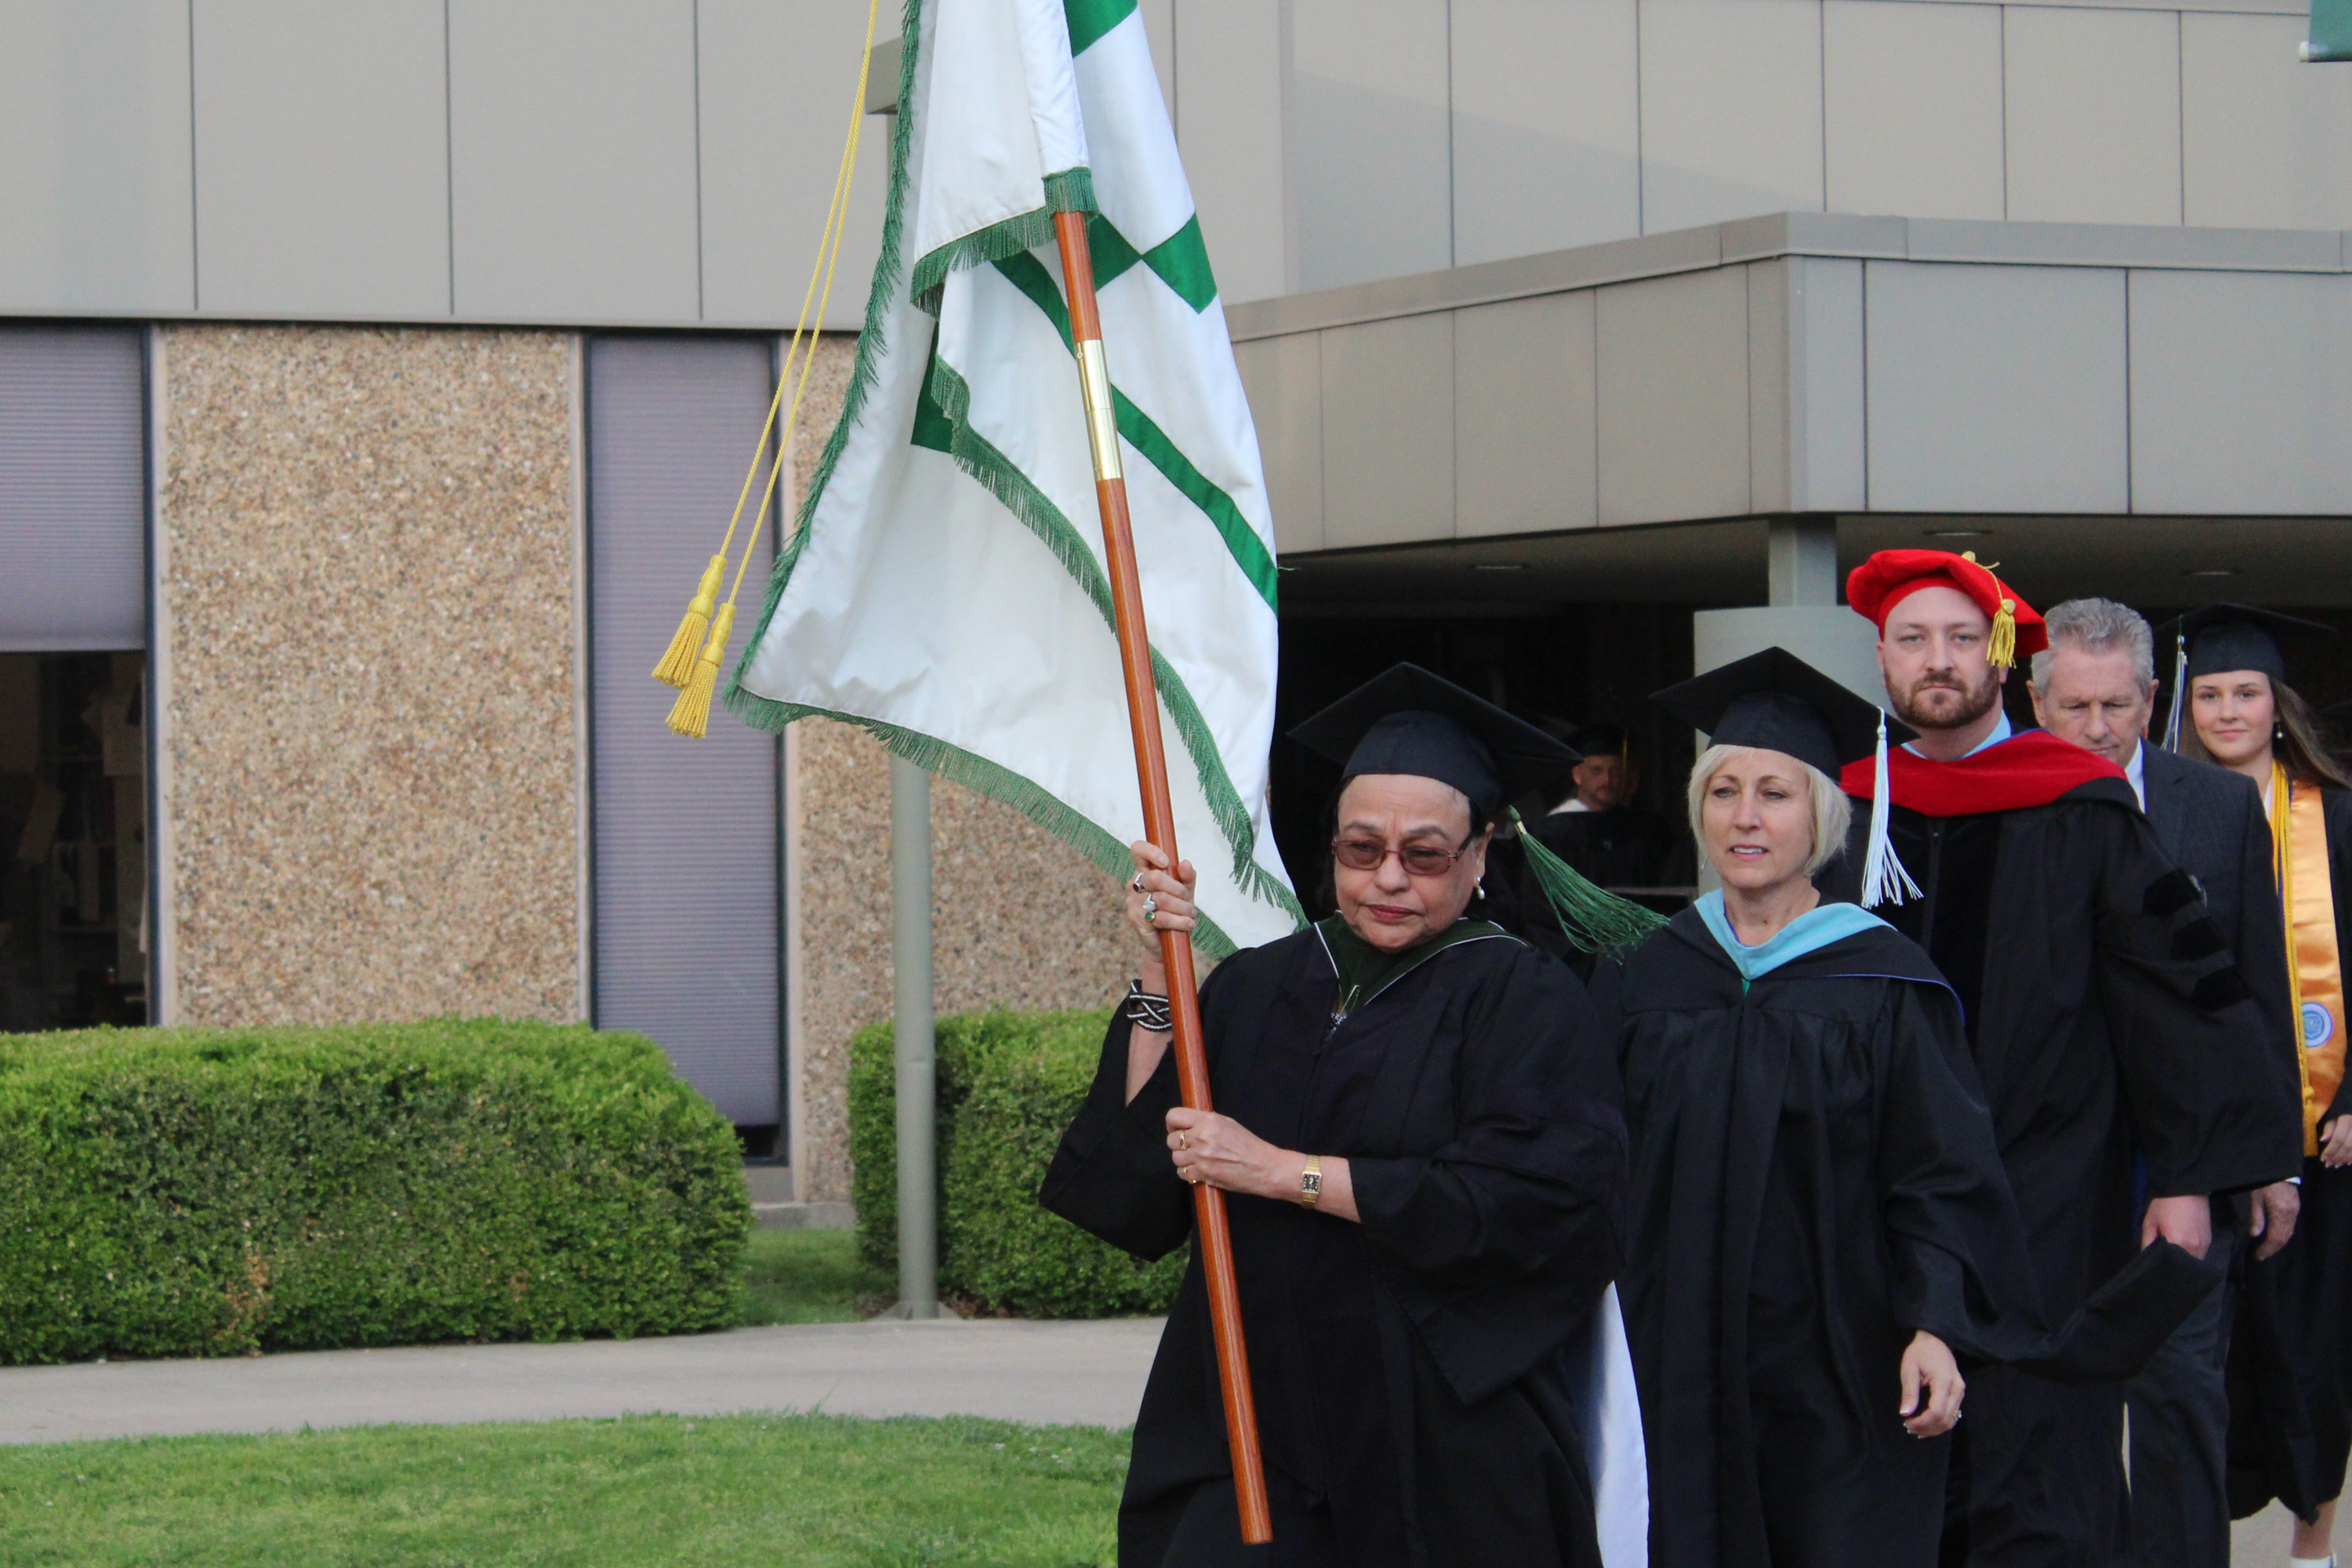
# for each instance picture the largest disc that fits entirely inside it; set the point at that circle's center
(1615, 421)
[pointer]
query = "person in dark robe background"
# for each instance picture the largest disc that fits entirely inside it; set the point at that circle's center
(1592, 823)
(2102, 1009)
(1417, 1125)
(2095, 687)
(2290, 1363)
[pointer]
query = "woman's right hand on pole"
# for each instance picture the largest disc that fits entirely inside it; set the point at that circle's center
(1157, 901)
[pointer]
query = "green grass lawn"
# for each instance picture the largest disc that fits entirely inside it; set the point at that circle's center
(803, 1492)
(811, 1277)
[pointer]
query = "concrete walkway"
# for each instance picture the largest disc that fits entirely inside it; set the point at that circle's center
(1090, 1374)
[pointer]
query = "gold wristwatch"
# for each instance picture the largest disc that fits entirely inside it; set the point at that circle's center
(1310, 1181)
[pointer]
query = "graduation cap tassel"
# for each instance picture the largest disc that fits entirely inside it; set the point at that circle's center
(2179, 693)
(1885, 879)
(690, 715)
(2001, 649)
(677, 666)
(1592, 918)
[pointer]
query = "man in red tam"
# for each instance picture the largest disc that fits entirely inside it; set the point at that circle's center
(2102, 1007)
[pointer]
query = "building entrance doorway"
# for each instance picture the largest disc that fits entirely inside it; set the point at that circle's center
(74, 937)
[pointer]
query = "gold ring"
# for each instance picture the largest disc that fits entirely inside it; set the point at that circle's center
(1184, 1141)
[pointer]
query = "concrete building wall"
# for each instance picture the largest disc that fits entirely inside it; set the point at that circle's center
(371, 756)
(669, 161)
(367, 543)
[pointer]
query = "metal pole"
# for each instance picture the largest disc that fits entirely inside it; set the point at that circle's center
(911, 1037)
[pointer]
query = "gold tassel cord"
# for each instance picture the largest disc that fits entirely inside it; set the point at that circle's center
(690, 715)
(677, 666)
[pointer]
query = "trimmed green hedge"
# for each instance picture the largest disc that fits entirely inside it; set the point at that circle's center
(218, 1192)
(1008, 1084)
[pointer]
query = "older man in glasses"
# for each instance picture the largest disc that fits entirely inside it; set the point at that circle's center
(2094, 686)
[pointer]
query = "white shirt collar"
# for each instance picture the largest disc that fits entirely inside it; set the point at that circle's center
(1573, 803)
(2001, 731)
(2136, 771)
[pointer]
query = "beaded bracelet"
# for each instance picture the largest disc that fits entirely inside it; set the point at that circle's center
(1143, 1007)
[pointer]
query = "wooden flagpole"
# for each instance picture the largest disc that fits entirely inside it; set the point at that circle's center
(1160, 827)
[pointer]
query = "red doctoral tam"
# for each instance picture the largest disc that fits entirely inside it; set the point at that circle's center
(1891, 576)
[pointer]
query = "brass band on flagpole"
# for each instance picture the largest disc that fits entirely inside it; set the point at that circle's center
(1160, 827)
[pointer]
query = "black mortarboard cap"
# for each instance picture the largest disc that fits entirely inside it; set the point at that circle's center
(1407, 721)
(1598, 740)
(2223, 638)
(1776, 700)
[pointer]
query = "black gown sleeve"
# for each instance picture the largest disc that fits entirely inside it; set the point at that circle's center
(2179, 1009)
(2337, 810)
(1962, 1270)
(1498, 1244)
(1111, 1176)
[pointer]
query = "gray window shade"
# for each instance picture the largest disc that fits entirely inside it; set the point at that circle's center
(687, 876)
(73, 490)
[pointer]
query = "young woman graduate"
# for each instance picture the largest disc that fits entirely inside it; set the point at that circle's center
(1417, 1123)
(1819, 1215)
(2291, 1364)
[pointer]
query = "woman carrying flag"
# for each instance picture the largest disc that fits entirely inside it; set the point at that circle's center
(1417, 1129)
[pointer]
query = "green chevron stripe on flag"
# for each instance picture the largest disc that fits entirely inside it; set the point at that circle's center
(945, 586)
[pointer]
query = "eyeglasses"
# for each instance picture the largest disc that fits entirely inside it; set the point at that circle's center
(1418, 859)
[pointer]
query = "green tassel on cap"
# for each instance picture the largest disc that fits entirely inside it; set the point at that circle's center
(1593, 919)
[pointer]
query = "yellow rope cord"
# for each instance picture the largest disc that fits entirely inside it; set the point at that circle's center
(690, 715)
(829, 254)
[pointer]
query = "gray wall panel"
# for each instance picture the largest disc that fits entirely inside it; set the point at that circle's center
(1284, 380)
(1996, 388)
(2241, 393)
(572, 131)
(1547, 126)
(1524, 420)
(1826, 396)
(1672, 394)
(73, 490)
(687, 914)
(322, 157)
(1525, 417)
(1731, 110)
(2267, 140)
(1231, 116)
(1912, 107)
(1370, 151)
(776, 84)
(2093, 115)
(1388, 431)
(95, 193)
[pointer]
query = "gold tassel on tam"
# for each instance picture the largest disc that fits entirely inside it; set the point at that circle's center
(690, 715)
(2001, 649)
(677, 666)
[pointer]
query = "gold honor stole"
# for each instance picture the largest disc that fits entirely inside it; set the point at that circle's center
(2315, 978)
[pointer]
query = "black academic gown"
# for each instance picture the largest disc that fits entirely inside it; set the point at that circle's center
(2291, 1360)
(1815, 1177)
(2105, 1014)
(1415, 1390)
